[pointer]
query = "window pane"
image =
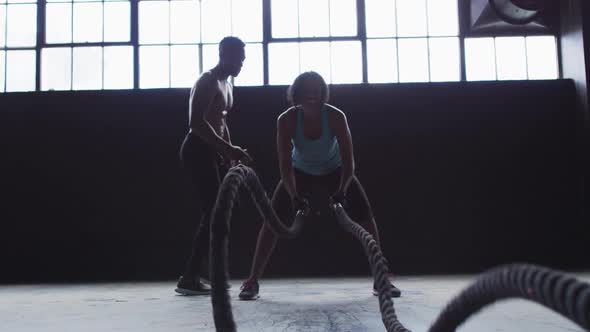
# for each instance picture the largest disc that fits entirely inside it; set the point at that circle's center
(154, 67)
(20, 70)
(413, 60)
(118, 67)
(411, 18)
(511, 58)
(252, 71)
(2, 26)
(315, 56)
(247, 20)
(480, 60)
(56, 69)
(87, 68)
(343, 18)
(87, 22)
(382, 60)
(22, 25)
(380, 18)
(117, 22)
(542, 57)
(284, 18)
(59, 23)
(210, 56)
(443, 18)
(153, 22)
(184, 65)
(216, 22)
(2, 61)
(346, 62)
(185, 24)
(444, 59)
(313, 18)
(283, 63)
(21, 1)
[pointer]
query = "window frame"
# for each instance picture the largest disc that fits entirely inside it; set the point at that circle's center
(361, 36)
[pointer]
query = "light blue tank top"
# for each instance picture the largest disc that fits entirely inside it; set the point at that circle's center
(315, 156)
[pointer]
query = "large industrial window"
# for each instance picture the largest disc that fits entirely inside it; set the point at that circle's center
(126, 44)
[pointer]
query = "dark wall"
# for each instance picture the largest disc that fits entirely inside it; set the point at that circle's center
(461, 176)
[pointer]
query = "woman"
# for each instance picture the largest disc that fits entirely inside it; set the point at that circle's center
(316, 163)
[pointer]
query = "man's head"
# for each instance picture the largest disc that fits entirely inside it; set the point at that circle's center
(308, 88)
(231, 55)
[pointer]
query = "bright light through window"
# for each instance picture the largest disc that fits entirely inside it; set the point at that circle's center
(216, 20)
(380, 18)
(346, 62)
(2, 66)
(58, 23)
(252, 71)
(283, 63)
(444, 59)
(480, 59)
(413, 60)
(511, 58)
(184, 63)
(87, 22)
(411, 18)
(443, 18)
(382, 60)
(313, 18)
(20, 72)
(154, 22)
(118, 67)
(21, 25)
(56, 68)
(154, 67)
(542, 57)
(315, 56)
(87, 69)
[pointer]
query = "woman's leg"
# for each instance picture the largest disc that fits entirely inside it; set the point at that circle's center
(267, 239)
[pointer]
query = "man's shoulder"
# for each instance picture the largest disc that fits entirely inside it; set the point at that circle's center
(206, 80)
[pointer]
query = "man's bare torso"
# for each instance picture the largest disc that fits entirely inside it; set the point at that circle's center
(220, 102)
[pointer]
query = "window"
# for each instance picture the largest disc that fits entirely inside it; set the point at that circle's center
(511, 58)
(87, 45)
(178, 39)
(124, 44)
(412, 41)
(18, 40)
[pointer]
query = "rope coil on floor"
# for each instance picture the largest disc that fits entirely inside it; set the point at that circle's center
(553, 289)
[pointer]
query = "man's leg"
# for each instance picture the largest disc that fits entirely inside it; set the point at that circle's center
(266, 243)
(202, 166)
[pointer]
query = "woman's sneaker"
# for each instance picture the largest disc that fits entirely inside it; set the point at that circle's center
(191, 287)
(250, 290)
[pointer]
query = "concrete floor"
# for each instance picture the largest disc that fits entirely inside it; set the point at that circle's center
(285, 305)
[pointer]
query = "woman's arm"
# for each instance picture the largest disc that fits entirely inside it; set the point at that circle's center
(284, 147)
(342, 132)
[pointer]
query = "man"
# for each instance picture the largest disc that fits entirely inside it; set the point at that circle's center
(207, 150)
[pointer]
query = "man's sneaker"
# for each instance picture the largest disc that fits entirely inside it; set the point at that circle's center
(395, 292)
(249, 290)
(191, 287)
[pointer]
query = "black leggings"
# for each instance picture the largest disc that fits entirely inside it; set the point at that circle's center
(205, 169)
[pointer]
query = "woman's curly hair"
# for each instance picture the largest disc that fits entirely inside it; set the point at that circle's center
(294, 91)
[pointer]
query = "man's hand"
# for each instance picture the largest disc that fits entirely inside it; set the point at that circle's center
(236, 154)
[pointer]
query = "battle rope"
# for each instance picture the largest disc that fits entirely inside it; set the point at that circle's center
(553, 289)
(220, 221)
(378, 267)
